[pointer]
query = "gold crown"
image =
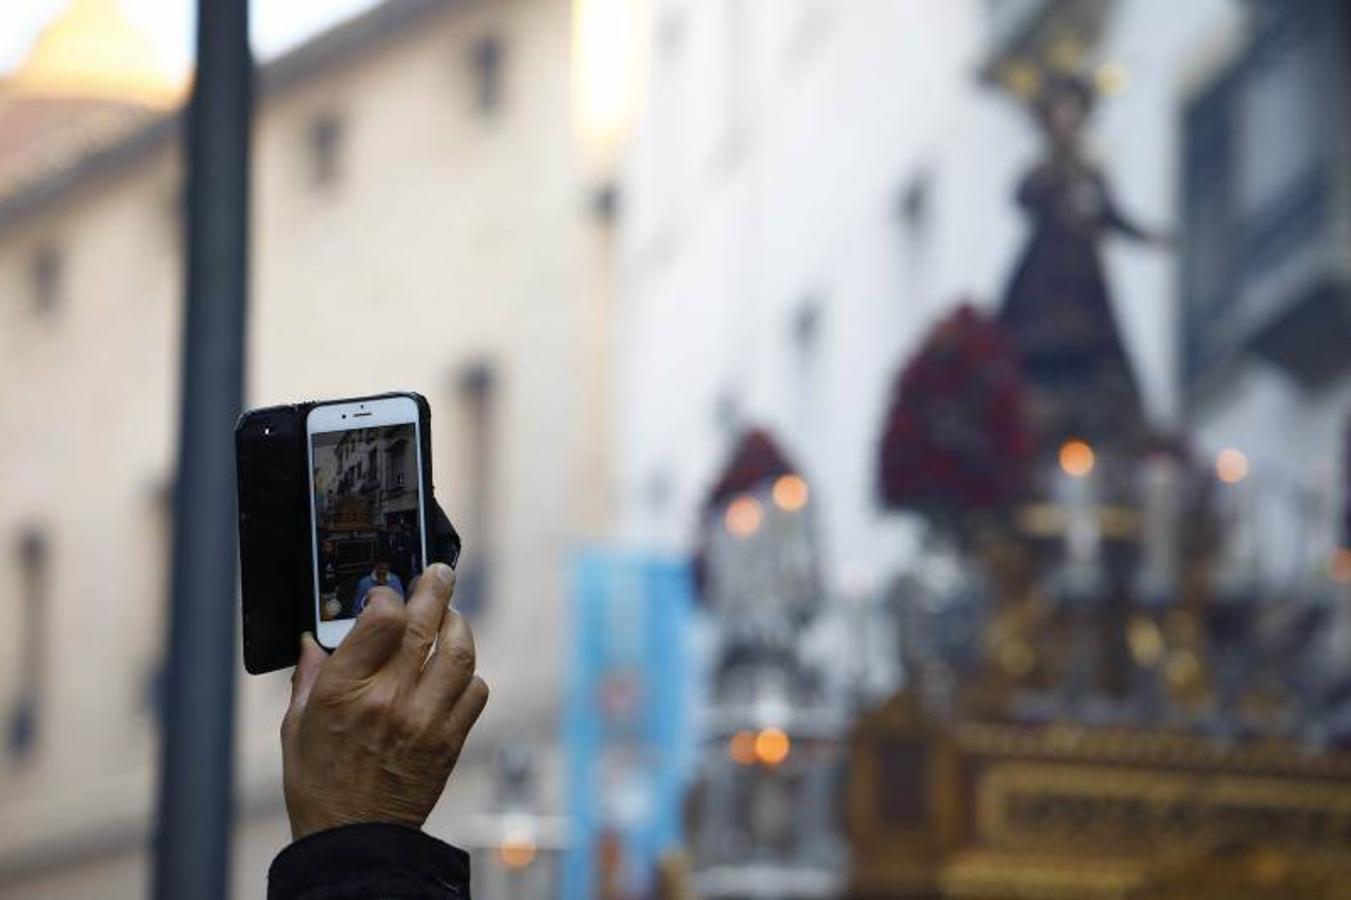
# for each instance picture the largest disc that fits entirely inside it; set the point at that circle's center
(1026, 80)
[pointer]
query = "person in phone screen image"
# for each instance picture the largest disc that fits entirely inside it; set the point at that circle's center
(380, 576)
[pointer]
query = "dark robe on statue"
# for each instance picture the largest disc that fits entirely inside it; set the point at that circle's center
(1058, 312)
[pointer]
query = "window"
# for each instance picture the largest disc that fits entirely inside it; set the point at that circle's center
(806, 329)
(670, 31)
(33, 584)
(397, 465)
(44, 276)
(1260, 215)
(914, 214)
(325, 142)
(1209, 225)
(727, 413)
(486, 58)
(605, 203)
(914, 203)
(477, 389)
(1279, 123)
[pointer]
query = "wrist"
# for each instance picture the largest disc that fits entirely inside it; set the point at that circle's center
(304, 824)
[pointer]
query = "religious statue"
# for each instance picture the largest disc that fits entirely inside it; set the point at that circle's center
(1058, 310)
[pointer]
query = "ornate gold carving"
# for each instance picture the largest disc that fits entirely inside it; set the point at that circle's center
(1116, 811)
(1073, 812)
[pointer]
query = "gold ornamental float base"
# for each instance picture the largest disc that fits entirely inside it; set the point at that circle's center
(976, 810)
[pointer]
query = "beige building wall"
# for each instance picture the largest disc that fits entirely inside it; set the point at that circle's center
(447, 239)
(87, 395)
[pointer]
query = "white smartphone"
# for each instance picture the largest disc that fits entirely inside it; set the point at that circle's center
(366, 509)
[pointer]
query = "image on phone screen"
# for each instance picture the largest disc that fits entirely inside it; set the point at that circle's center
(366, 515)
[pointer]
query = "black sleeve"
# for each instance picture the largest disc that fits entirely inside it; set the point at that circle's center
(356, 862)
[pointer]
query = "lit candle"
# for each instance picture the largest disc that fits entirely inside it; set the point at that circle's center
(1237, 572)
(1076, 494)
(1162, 478)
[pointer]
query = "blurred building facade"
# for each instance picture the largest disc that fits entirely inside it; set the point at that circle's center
(420, 222)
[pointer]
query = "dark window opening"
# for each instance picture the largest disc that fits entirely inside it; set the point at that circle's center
(914, 202)
(605, 203)
(670, 31)
(806, 328)
(488, 58)
(25, 710)
(45, 276)
(396, 462)
(325, 138)
(478, 400)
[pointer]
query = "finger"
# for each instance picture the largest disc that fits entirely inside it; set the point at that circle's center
(311, 660)
(308, 665)
(426, 610)
(374, 639)
(451, 667)
(465, 713)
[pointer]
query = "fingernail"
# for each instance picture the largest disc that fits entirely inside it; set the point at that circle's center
(442, 573)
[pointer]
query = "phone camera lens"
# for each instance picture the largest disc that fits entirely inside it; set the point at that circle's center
(267, 431)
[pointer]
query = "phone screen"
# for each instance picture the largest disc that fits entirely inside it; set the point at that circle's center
(366, 514)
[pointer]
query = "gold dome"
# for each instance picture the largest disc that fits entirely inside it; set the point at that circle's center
(91, 51)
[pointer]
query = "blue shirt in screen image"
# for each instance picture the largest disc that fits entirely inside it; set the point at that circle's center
(364, 586)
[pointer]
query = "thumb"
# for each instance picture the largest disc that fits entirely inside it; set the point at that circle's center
(311, 660)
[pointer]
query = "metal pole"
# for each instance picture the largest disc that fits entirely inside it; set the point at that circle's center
(196, 767)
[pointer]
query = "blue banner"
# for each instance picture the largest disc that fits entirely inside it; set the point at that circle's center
(626, 719)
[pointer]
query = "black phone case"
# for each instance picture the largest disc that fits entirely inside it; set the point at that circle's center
(275, 553)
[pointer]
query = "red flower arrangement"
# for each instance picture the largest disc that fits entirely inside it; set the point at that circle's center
(954, 439)
(756, 460)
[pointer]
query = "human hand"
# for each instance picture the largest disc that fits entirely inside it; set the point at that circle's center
(374, 730)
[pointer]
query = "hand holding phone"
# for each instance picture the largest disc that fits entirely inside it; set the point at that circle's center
(335, 498)
(391, 719)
